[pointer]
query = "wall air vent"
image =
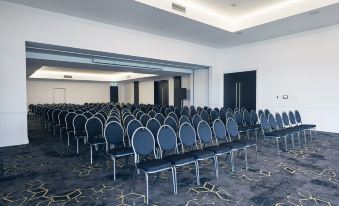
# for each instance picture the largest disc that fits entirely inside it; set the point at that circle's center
(178, 7)
(67, 76)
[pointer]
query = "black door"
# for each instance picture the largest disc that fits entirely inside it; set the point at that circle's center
(240, 90)
(114, 94)
(136, 92)
(161, 92)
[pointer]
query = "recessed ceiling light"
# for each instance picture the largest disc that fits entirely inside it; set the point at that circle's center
(314, 12)
(233, 5)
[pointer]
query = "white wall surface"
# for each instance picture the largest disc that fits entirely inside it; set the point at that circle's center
(126, 92)
(186, 83)
(304, 66)
(146, 92)
(77, 92)
(201, 87)
(20, 23)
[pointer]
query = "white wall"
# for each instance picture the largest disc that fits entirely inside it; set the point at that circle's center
(77, 92)
(126, 92)
(20, 23)
(146, 92)
(201, 87)
(304, 66)
(186, 83)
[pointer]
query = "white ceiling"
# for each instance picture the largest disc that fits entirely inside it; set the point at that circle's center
(285, 17)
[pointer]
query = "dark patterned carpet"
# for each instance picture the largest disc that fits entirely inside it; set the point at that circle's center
(47, 172)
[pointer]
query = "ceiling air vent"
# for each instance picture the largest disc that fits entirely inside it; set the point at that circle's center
(67, 76)
(178, 7)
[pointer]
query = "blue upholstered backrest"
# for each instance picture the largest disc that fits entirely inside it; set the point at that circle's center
(114, 133)
(204, 132)
(187, 135)
(143, 141)
(167, 139)
(219, 129)
(232, 128)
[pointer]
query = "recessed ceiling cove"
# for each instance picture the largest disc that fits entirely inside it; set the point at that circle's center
(236, 15)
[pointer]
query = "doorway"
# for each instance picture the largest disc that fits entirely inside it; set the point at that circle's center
(114, 94)
(161, 92)
(240, 90)
(59, 95)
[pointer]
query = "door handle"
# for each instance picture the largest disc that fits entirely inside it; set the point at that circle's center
(239, 95)
(236, 94)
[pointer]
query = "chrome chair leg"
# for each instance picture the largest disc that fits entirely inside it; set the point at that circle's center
(197, 172)
(91, 153)
(232, 160)
(216, 167)
(114, 175)
(173, 181)
(146, 175)
(77, 145)
(246, 164)
(285, 139)
(277, 139)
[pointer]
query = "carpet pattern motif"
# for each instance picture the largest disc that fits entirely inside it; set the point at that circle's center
(47, 172)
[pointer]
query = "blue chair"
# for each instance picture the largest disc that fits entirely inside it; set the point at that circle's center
(205, 138)
(184, 112)
(143, 145)
(167, 141)
(184, 119)
(173, 115)
(234, 137)
(144, 119)
(79, 132)
(195, 121)
(114, 134)
(153, 125)
(94, 131)
(204, 115)
(131, 127)
(160, 118)
(152, 113)
(172, 123)
(188, 139)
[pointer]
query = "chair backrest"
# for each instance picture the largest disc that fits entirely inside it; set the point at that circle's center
(229, 115)
(187, 135)
(195, 120)
(79, 122)
(279, 120)
(184, 119)
(229, 110)
(204, 115)
(219, 130)
(101, 117)
(265, 125)
(127, 119)
(112, 118)
(88, 115)
(171, 122)
(114, 133)
(143, 143)
(193, 112)
(286, 120)
(152, 113)
(55, 115)
(238, 118)
(153, 125)
(177, 112)
(160, 118)
(292, 118)
(173, 115)
(167, 111)
(214, 115)
(254, 117)
(144, 119)
(184, 112)
(247, 117)
(204, 132)
(132, 126)
(232, 129)
(260, 112)
(93, 127)
(297, 117)
(167, 138)
(139, 114)
(62, 117)
(267, 112)
(272, 121)
(222, 114)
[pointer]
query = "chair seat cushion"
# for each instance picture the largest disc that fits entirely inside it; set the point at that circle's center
(234, 145)
(307, 126)
(219, 149)
(201, 154)
(279, 133)
(121, 151)
(178, 159)
(80, 134)
(248, 142)
(99, 140)
(154, 165)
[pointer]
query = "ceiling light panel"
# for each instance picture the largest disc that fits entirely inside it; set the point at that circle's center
(55, 73)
